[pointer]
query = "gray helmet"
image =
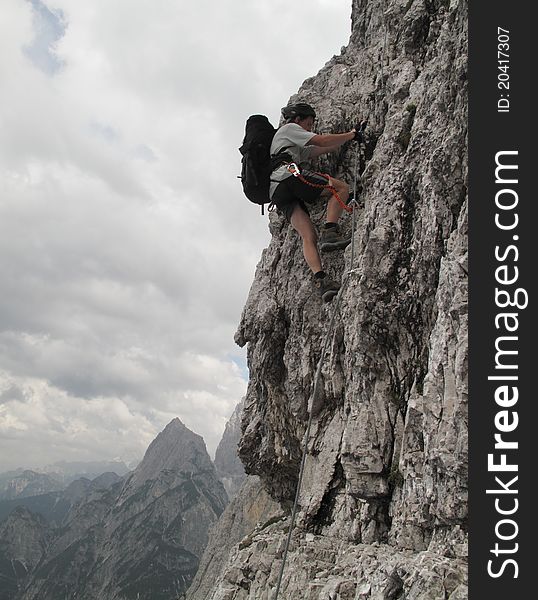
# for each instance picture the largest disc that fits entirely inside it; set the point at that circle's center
(300, 109)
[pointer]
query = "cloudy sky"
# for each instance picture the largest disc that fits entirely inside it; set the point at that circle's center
(126, 247)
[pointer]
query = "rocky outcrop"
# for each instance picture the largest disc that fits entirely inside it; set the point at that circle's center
(142, 537)
(383, 506)
(229, 467)
(251, 510)
(321, 567)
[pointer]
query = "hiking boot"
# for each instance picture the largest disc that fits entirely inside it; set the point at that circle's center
(331, 239)
(327, 287)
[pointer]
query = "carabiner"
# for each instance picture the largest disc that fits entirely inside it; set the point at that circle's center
(293, 169)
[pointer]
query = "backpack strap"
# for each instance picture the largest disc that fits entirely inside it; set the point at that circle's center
(280, 158)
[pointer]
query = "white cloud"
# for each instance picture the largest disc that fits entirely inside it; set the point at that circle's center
(126, 246)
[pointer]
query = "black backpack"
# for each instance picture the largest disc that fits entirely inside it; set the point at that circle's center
(256, 162)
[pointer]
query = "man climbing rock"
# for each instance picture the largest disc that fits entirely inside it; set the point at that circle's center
(293, 187)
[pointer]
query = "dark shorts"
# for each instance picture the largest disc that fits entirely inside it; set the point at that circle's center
(293, 192)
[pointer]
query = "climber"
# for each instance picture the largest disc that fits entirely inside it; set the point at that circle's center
(294, 144)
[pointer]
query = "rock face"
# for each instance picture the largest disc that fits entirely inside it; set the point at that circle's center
(23, 540)
(229, 467)
(383, 506)
(251, 509)
(141, 538)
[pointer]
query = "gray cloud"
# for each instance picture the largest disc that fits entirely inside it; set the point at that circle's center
(10, 394)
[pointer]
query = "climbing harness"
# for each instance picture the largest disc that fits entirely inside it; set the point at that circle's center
(353, 204)
(294, 170)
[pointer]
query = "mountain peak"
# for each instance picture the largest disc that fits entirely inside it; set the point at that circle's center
(176, 449)
(175, 425)
(146, 534)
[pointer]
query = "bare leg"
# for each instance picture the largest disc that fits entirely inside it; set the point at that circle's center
(303, 225)
(334, 208)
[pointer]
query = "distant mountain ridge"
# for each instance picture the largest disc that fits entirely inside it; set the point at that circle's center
(68, 471)
(26, 482)
(54, 506)
(139, 537)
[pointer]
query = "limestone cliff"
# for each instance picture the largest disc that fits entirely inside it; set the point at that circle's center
(251, 510)
(383, 508)
(229, 468)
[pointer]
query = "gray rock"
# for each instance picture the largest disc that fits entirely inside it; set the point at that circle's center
(229, 467)
(321, 567)
(383, 506)
(249, 512)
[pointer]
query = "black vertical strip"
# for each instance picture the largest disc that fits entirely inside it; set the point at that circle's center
(502, 274)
